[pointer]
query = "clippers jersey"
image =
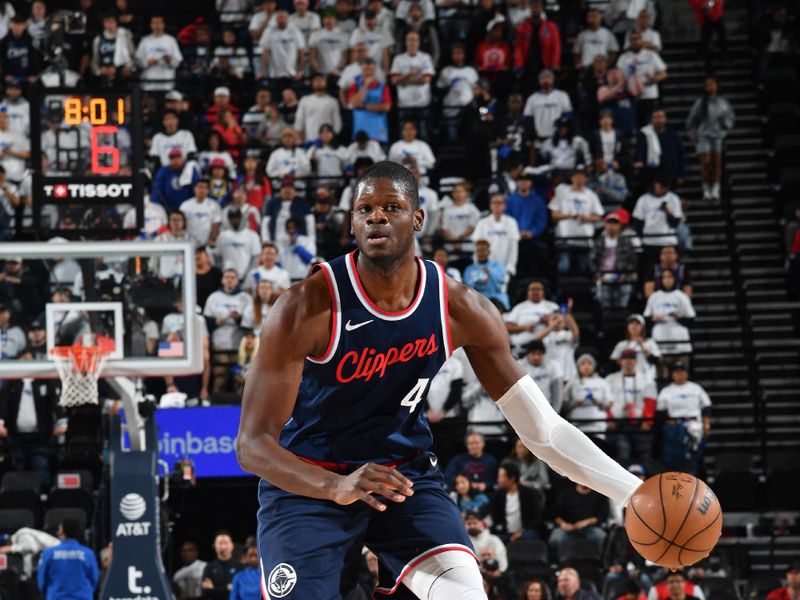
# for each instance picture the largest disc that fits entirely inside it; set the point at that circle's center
(361, 400)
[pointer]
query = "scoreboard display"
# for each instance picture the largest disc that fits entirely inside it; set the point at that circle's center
(89, 142)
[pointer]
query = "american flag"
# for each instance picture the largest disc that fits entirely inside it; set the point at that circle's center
(170, 349)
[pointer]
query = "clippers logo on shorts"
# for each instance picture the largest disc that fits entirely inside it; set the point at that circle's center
(68, 191)
(282, 580)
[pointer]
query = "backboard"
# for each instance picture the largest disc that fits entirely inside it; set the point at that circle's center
(135, 296)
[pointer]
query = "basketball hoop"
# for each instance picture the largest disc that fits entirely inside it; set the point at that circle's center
(79, 367)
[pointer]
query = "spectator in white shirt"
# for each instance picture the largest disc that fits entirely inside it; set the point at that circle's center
(596, 40)
(547, 105)
(170, 266)
(647, 351)
(545, 373)
(288, 160)
(671, 312)
(353, 70)
(649, 68)
(237, 246)
(386, 18)
(297, 252)
(575, 209)
(502, 233)
(530, 316)
(460, 80)
(651, 39)
(363, 147)
(17, 107)
(412, 72)
(317, 109)
(655, 217)
(225, 307)
(305, 20)
(203, 215)
(170, 138)
(282, 53)
(327, 157)
(328, 47)
(158, 55)
(15, 149)
(377, 40)
(430, 204)
(411, 151)
(588, 397)
(155, 218)
(268, 270)
(262, 19)
(458, 221)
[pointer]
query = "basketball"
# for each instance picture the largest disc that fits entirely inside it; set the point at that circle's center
(674, 520)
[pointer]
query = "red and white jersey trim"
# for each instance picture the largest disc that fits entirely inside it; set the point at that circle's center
(373, 308)
(419, 560)
(336, 317)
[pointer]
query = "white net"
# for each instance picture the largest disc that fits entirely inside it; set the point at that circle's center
(79, 367)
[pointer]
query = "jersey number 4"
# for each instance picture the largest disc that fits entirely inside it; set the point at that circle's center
(414, 397)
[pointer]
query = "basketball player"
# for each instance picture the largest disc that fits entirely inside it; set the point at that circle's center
(332, 417)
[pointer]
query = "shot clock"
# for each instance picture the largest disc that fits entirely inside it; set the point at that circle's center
(90, 144)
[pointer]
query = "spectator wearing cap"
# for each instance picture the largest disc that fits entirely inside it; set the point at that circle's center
(237, 246)
(547, 105)
(15, 149)
(282, 53)
(18, 57)
(37, 339)
(528, 209)
(792, 589)
(684, 410)
(487, 276)
(537, 46)
(410, 151)
(158, 56)
(502, 233)
(593, 41)
(170, 266)
(222, 101)
(546, 374)
(614, 262)
(31, 420)
(609, 185)
(214, 149)
(288, 160)
(575, 208)
(306, 21)
(672, 313)
(328, 47)
(219, 182)
(659, 149)
(363, 147)
(172, 138)
(633, 397)
(459, 81)
(175, 181)
(317, 109)
(648, 354)
(12, 338)
(68, 570)
(668, 259)
(113, 45)
(493, 56)
(411, 72)
(203, 215)
(530, 317)
(656, 216)
(649, 68)
(17, 107)
(587, 397)
(565, 149)
(378, 41)
(283, 207)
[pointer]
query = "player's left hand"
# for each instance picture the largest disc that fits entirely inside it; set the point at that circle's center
(370, 479)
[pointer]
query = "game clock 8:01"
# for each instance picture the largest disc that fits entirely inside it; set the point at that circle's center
(94, 111)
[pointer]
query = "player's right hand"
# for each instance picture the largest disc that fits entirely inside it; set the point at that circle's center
(370, 479)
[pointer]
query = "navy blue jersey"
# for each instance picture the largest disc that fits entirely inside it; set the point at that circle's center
(361, 401)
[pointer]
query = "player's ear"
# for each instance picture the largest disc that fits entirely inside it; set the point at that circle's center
(419, 219)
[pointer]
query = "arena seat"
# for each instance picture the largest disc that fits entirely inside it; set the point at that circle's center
(12, 519)
(719, 588)
(21, 489)
(734, 483)
(528, 559)
(54, 516)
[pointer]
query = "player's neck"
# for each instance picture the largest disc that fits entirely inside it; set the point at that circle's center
(389, 283)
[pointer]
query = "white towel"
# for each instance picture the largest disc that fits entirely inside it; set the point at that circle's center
(653, 146)
(191, 166)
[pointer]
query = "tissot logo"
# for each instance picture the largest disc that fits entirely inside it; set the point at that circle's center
(88, 190)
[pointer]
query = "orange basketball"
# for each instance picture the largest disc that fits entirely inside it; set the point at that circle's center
(673, 520)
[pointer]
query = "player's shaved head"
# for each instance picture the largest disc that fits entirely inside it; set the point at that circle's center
(401, 178)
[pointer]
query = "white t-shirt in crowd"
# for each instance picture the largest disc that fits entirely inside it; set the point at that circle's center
(528, 313)
(672, 337)
(413, 95)
(163, 143)
(649, 36)
(459, 82)
(226, 337)
(353, 70)
(257, 21)
(628, 393)
(545, 109)
(588, 398)
(283, 46)
(330, 45)
(170, 265)
(548, 377)
(238, 250)
(307, 24)
(685, 401)
(19, 115)
(200, 216)
(643, 366)
(513, 512)
(457, 219)
(645, 64)
(419, 150)
(439, 390)
(277, 276)
(14, 166)
(372, 150)
(575, 202)
(314, 111)
(429, 203)
(164, 48)
(503, 237)
(591, 43)
(376, 40)
(249, 319)
(648, 209)
(561, 347)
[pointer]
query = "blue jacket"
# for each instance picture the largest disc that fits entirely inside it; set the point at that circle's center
(488, 279)
(483, 469)
(246, 585)
(166, 190)
(68, 572)
(530, 212)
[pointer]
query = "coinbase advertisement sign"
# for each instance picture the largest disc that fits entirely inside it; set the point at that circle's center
(206, 435)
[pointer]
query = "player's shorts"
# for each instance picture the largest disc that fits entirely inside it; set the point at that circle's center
(311, 549)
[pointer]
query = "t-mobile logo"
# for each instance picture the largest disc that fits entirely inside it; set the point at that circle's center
(134, 575)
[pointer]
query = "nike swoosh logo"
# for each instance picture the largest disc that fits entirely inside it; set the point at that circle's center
(350, 327)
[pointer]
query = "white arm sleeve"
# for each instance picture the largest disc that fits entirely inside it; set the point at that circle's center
(562, 446)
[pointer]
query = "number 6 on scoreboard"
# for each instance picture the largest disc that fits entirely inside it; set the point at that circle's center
(415, 395)
(99, 150)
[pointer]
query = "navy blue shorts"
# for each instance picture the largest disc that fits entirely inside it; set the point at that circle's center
(311, 549)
